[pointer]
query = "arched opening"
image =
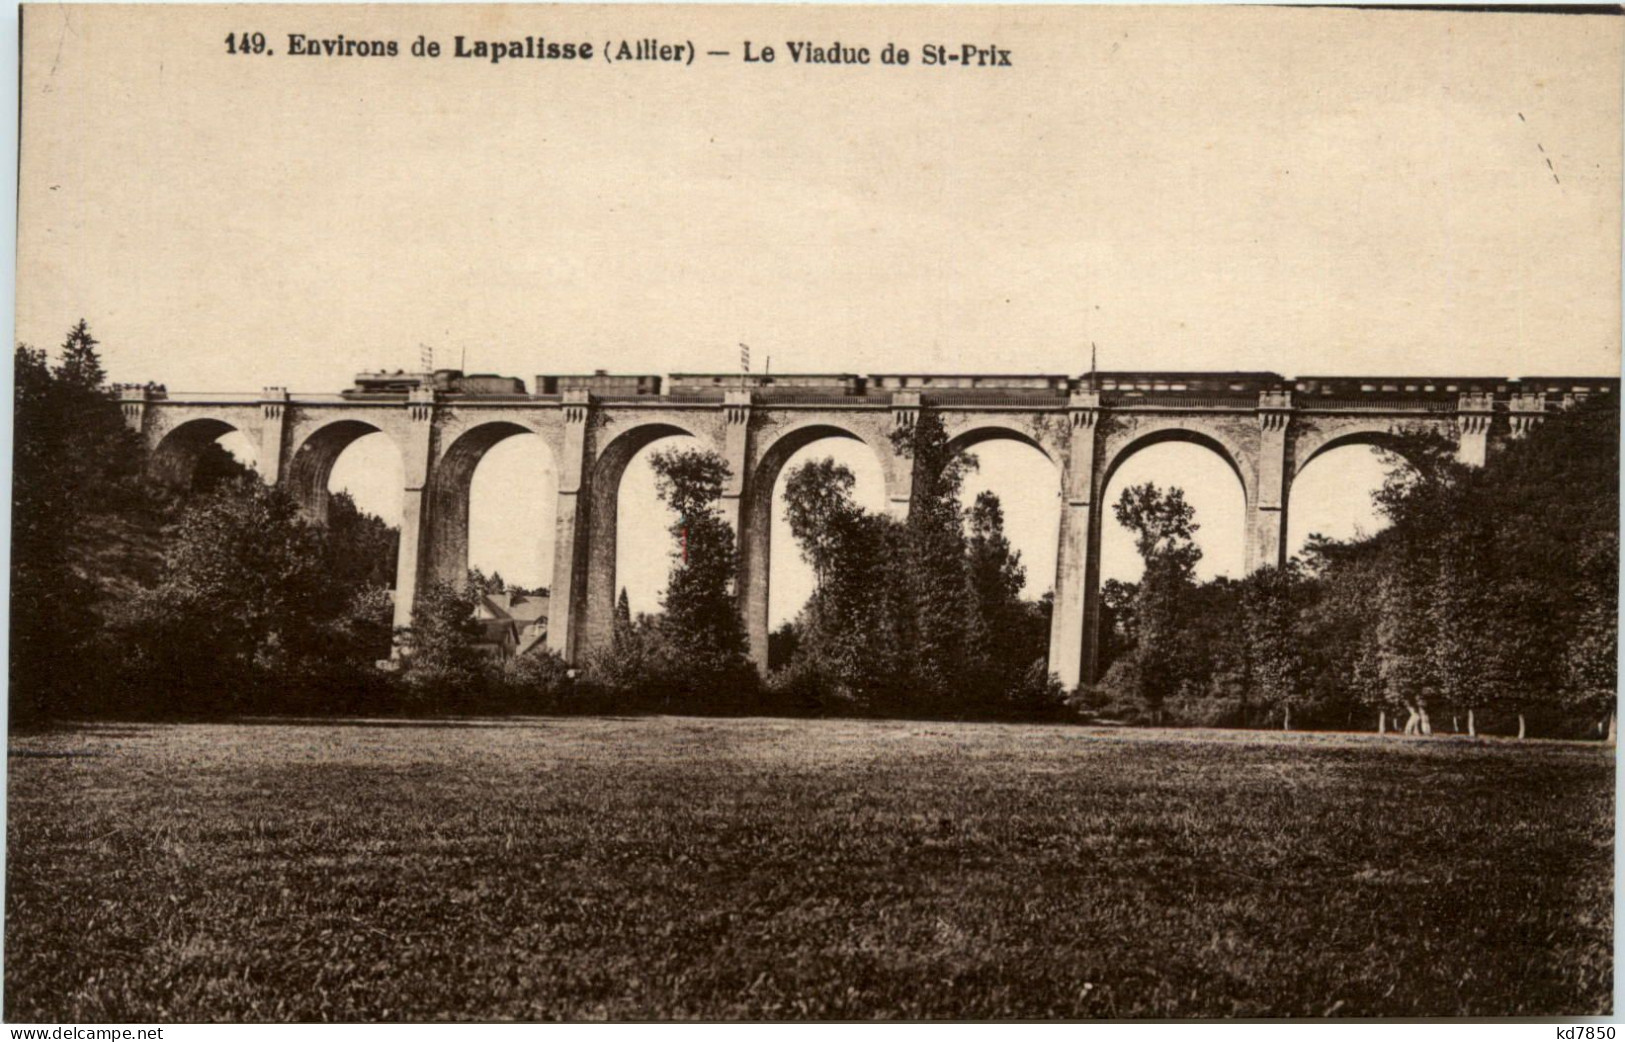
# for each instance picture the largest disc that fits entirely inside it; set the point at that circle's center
(199, 453)
(1207, 474)
(364, 526)
(777, 579)
(1028, 486)
(494, 504)
(1332, 493)
(1212, 486)
(630, 545)
(349, 456)
(513, 505)
(368, 470)
(242, 451)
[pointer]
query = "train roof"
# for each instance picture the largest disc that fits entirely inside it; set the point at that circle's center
(764, 376)
(1570, 381)
(1183, 374)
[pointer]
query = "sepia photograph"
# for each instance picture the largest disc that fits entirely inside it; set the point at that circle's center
(769, 513)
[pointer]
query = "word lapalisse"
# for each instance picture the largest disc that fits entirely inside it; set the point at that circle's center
(529, 47)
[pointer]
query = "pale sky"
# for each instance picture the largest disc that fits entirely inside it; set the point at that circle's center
(1307, 191)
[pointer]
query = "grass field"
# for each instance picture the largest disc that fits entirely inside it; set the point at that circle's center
(676, 868)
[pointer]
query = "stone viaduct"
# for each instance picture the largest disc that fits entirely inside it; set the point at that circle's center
(1266, 427)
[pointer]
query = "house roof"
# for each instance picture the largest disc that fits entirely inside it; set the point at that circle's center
(498, 631)
(535, 639)
(523, 608)
(528, 609)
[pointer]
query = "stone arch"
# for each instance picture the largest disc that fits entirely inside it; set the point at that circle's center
(966, 440)
(453, 476)
(1212, 440)
(982, 432)
(1380, 435)
(756, 521)
(1218, 441)
(604, 492)
(312, 463)
(1316, 442)
(175, 459)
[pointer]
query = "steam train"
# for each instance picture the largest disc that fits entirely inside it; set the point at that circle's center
(446, 381)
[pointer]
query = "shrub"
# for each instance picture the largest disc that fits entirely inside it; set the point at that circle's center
(1037, 692)
(537, 682)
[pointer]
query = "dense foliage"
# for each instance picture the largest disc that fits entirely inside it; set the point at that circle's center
(73, 459)
(130, 598)
(1490, 597)
(918, 617)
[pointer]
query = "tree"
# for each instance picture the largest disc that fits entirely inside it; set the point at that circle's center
(444, 666)
(1592, 661)
(995, 570)
(934, 548)
(245, 597)
(1339, 608)
(73, 461)
(1118, 630)
(81, 366)
(632, 656)
(784, 645)
(365, 628)
(1164, 527)
(703, 634)
(1465, 609)
(361, 548)
(43, 627)
(853, 646)
(818, 501)
(1270, 616)
(1556, 505)
(1404, 634)
(250, 572)
(1007, 637)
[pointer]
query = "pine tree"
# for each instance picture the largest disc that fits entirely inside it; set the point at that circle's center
(80, 367)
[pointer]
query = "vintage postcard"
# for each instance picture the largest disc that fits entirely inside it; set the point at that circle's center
(574, 512)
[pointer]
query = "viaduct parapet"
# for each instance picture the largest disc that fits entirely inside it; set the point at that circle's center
(1265, 426)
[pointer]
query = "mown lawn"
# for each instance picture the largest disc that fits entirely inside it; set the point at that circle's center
(676, 868)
